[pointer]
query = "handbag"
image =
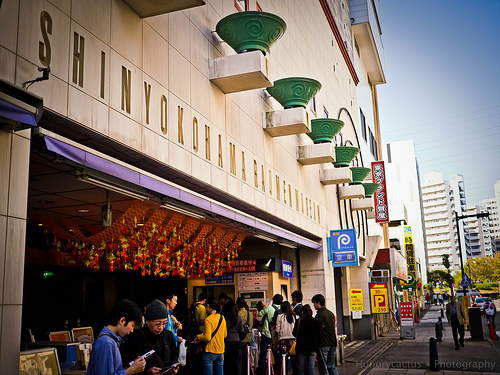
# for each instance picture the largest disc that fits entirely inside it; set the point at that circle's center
(292, 349)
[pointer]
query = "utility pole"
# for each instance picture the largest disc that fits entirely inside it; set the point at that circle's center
(457, 218)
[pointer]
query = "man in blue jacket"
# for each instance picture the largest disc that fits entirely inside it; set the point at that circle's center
(105, 358)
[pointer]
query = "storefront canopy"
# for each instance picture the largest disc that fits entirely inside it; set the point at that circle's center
(19, 109)
(91, 159)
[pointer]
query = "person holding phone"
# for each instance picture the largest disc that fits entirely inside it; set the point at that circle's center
(153, 336)
(105, 358)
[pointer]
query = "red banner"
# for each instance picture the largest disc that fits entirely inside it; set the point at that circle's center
(380, 195)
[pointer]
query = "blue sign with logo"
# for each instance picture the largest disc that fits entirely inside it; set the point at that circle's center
(286, 266)
(342, 248)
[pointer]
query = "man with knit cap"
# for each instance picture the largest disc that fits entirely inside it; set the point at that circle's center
(153, 337)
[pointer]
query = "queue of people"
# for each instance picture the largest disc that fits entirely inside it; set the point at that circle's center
(226, 337)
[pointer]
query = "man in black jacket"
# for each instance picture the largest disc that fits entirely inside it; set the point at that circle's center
(152, 337)
(327, 352)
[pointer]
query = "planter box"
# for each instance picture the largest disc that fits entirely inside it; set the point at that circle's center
(335, 176)
(236, 73)
(315, 154)
(351, 192)
(364, 204)
(286, 122)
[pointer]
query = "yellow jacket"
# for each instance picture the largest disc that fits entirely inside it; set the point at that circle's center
(216, 344)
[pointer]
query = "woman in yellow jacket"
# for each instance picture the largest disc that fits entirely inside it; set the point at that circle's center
(214, 333)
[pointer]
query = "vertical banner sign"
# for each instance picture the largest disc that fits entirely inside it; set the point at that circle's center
(342, 248)
(380, 196)
(379, 298)
(410, 260)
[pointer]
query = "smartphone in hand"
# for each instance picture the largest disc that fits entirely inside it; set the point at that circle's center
(145, 356)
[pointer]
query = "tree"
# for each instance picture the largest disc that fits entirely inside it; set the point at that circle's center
(449, 279)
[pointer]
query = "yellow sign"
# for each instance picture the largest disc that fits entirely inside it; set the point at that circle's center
(465, 300)
(379, 298)
(410, 260)
(356, 299)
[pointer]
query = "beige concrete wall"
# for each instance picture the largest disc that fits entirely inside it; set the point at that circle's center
(14, 164)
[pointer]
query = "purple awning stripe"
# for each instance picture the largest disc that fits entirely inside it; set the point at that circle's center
(13, 112)
(100, 164)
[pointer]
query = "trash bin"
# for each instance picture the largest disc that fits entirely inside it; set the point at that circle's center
(475, 324)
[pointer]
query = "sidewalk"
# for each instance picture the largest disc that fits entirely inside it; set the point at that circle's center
(411, 357)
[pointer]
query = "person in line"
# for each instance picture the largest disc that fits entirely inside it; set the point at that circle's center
(297, 302)
(214, 333)
(284, 328)
(490, 311)
(307, 332)
(246, 318)
(455, 314)
(173, 325)
(232, 355)
(200, 313)
(153, 336)
(327, 351)
(267, 313)
(223, 299)
(105, 358)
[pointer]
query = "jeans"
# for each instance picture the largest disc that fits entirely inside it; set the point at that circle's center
(232, 358)
(327, 356)
(265, 343)
(456, 326)
(212, 363)
(305, 363)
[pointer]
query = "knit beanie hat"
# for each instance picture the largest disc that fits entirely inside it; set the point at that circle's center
(156, 310)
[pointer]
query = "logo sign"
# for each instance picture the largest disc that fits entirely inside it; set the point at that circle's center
(466, 280)
(379, 298)
(410, 260)
(406, 314)
(380, 196)
(356, 299)
(342, 248)
(286, 266)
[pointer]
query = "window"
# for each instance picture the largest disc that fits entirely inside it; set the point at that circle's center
(363, 123)
(373, 144)
(241, 5)
(312, 105)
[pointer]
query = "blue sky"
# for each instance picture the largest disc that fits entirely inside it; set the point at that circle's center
(442, 66)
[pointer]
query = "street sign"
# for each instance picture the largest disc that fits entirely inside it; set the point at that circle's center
(342, 248)
(410, 260)
(466, 280)
(407, 319)
(379, 298)
(286, 266)
(356, 299)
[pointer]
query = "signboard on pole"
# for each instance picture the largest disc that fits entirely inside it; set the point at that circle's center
(406, 316)
(466, 280)
(356, 299)
(380, 195)
(379, 298)
(342, 248)
(286, 266)
(410, 260)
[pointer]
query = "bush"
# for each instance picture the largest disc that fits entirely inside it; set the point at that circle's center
(486, 286)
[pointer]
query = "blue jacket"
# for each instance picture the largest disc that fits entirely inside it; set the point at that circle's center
(105, 358)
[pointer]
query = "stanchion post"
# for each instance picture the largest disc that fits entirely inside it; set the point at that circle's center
(248, 360)
(269, 361)
(439, 333)
(433, 355)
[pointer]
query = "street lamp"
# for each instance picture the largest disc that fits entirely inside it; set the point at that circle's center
(457, 218)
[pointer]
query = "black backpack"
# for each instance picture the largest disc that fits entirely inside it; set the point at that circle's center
(246, 328)
(193, 324)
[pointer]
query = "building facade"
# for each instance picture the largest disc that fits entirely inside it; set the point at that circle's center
(151, 120)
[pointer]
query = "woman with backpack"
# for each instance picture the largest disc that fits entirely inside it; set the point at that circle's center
(232, 357)
(246, 336)
(284, 328)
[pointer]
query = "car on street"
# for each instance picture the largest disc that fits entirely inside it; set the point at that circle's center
(479, 302)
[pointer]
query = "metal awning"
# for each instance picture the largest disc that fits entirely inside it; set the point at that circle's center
(19, 109)
(91, 159)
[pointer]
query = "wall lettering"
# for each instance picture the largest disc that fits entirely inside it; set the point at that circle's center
(78, 58)
(163, 107)
(126, 89)
(180, 119)
(243, 172)
(207, 142)
(147, 94)
(220, 152)
(232, 158)
(195, 134)
(255, 175)
(44, 51)
(103, 71)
